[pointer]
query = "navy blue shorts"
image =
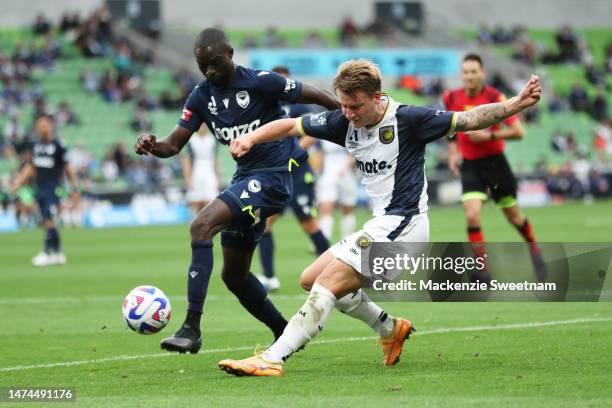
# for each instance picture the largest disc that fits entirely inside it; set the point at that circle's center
(252, 199)
(48, 205)
(303, 199)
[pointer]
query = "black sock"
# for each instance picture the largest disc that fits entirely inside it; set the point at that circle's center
(320, 242)
(198, 274)
(51, 240)
(55, 240)
(253, 296)
(266, 253)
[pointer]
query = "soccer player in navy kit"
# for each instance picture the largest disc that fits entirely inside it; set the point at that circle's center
(232, 101)
(388, 142)
(48, 165)
(302, 202)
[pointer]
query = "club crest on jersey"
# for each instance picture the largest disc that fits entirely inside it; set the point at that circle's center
(254, 186)
(363, 241)
(243, 99)
(386, 134)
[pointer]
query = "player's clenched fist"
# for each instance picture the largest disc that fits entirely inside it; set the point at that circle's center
(145, 143)
(531, 92)
(240, 147)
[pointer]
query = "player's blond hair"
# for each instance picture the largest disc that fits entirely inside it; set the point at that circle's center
(358, 75)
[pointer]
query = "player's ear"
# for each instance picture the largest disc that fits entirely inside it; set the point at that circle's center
(377, 96)
(230, 52)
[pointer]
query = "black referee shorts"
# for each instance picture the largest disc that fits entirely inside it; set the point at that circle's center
(489, 175)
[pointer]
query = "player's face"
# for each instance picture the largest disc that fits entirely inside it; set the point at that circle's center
(216, 64)
(472, 75)
(44, 128)
(360, 108)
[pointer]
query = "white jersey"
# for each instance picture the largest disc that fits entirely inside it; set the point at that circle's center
(390, 156)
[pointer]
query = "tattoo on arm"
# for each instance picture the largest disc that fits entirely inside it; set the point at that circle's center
(487, 115)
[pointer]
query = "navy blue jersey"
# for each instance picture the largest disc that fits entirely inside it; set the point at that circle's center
(49, 159)
(250, 101)
(390, 156)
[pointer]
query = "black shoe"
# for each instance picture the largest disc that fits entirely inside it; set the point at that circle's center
(184, 340)
(539, 267)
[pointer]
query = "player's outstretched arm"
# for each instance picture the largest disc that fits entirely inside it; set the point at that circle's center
(312, 94)
(484, 116)
(167, 147)
(275, 130)
(23, 176)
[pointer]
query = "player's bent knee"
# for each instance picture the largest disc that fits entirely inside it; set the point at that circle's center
(201, 227)
(307, 280)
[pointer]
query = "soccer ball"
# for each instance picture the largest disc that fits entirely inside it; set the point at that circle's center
(146, 309)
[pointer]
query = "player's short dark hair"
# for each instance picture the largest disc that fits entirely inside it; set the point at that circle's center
(211, 37)
(281, 69)
(474, 57)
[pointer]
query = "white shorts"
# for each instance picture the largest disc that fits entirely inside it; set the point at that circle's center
(331, 188)
(384, 228)
(203, 189)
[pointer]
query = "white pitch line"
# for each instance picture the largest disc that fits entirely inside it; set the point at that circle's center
(330, 341)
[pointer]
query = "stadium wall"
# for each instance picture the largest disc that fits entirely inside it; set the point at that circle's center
(250, 14)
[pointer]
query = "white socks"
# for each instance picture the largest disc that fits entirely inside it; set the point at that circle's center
(348, 225)
(326, 223)
(304, 325)
(359, 306)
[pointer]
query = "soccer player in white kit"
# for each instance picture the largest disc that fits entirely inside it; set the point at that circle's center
(388, 142)
(201, 170)
(337, 184)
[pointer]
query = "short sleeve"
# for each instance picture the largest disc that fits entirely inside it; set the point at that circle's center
(192, 118)
(329, 125)
(428, 124)
(62, 153)
(279, 87)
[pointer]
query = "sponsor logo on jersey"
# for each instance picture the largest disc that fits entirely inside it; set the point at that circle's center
(386, 134)
(212, 105)
(254, 186)
(225, 134)
(373, 167)
(243, 99)
(289, 85)
(262, 73)
(193, 274)
(186, 115)
(226, 102)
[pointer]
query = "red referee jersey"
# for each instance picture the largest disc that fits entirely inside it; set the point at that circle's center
(459, 100)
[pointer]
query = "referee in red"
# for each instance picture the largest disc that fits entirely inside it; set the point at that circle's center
(484, 168)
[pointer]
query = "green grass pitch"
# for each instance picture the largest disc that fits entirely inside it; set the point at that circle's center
(62, 327)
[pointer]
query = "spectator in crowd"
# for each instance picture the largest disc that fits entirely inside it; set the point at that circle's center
(89, 80)
(140, 122)
(608, 58)
(69, 21)
(41, 25)
(599, 107)
(314, 40)
(556, 104)
(348, 33)
(593, 75)
(65, 116)
(578, 98)
(273, 39)
(559, 142)
(567, 41)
